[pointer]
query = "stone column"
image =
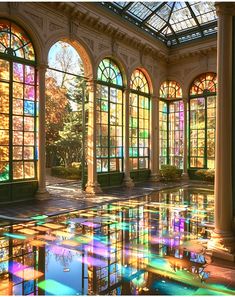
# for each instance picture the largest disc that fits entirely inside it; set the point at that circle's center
(185, 155)
(127, 179)
(154, 147)
(92, 185)
(42, 192)
(222, 243)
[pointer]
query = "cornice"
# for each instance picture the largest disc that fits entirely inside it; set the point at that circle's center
(77, 13)
(81, 14)
(225, 8)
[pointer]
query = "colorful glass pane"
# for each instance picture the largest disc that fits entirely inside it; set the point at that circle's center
(14, 42)
(139, 82)
(139, 131)
(205, 82)
(109, 120)
(109, 72)
(202, 121)
(17, 108)
(170, 90)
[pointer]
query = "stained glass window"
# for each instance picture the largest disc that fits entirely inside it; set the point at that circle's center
(139, 121)
(171, 120)
(163, 132)
(109, 118)
(202, 112)
(170, 90)
(18, 104)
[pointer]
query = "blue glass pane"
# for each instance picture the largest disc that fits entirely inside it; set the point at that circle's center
(29, 108)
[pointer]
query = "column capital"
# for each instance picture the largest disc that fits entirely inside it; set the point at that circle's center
(154, 97)
(91, 85)
(42, 67)
(185, 100)
(225, 8)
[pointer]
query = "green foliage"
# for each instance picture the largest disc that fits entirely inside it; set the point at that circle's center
(206, 174)
(170, 172)
(66, 172)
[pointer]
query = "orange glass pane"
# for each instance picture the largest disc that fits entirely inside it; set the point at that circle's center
(28, 274)
(4, 153)
(29, 138)
(18, 138)
(17, 123)
(28, 123)
(4, 70)
(17, 153)
(28, 153)
(17, 106)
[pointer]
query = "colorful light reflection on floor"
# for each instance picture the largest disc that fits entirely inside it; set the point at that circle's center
(149, 246)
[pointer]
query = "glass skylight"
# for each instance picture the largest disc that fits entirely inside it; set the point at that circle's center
(171, 22)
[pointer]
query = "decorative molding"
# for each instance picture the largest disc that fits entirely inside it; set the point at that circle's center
(103, 47)
(114, 46)
(199, 52)
(38, 20)
(13, 7)
(125, 58)
(89, 42)
(94, 21)
(54, 27)
(132, 60)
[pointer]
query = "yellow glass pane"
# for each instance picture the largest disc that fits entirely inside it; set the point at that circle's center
(18, 170)
(4, 70)
(4, 153)
(29, 171)
(4, 121)
(4, 103)
(4, 137)
(18, 90)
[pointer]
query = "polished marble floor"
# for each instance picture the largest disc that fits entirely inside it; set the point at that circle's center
(151, 245)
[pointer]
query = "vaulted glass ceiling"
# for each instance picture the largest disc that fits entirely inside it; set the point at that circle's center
(171, 22)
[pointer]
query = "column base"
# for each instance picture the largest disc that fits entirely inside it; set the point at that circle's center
(185, 176)
(128, 182)
(222, 246)
(154, 177)
(42, 194)
(93, 188)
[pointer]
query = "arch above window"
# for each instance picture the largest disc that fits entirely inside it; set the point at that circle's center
(204, 82)
(170, 90)
(139, 82)
(109, 72)
(14, 41)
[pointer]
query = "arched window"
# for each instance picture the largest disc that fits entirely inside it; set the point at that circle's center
(109, 118)
(202, 112)
(171, 121)
(139, 121)
(65, 102)
(18, 104)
